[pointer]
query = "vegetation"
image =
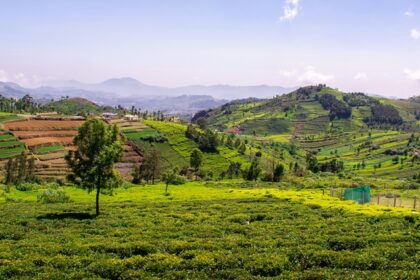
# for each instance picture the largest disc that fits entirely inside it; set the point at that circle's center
(248, 192)
(217, 231)
(149, 169)
(98, 148)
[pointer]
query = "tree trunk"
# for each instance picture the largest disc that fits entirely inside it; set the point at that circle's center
(166, 190)
(97, 200)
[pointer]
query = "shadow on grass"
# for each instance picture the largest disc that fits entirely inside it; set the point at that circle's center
(61, 216)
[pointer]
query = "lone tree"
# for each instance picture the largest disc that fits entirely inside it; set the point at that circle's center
(149, 169)
(196, 159)
(98, 147)
(169, 177)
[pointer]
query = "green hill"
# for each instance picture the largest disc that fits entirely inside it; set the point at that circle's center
(73, 106)
(371, 135)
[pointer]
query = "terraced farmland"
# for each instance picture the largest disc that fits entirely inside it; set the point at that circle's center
(49, 141)
(131, 155)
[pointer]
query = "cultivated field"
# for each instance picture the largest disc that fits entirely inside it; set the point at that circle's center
(205, 231)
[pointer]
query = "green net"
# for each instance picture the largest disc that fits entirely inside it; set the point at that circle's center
(360, 194)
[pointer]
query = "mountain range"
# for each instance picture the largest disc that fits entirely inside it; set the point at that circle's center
(131, 92)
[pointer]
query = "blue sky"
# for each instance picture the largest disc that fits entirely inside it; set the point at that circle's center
(371, 46)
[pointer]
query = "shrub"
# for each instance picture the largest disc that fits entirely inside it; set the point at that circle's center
(267, 265)
(54, 196)
(24, 187)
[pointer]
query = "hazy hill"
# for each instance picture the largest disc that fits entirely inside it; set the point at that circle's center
(73, 106)
(128, 92)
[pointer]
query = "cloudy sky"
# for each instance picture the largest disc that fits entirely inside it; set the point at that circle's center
(356, 45)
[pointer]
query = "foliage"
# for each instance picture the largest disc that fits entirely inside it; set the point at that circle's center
(338, 109)
(149, 169)
(54, 195)
(196, 159)
(242, 234)
(384, 114)
(19, 170)
(98, 148)
(253, 171)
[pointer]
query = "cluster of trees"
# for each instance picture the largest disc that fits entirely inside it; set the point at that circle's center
(357, 99)
(207, 140)
(19, 170)
(254, 171)
(24, 104)
(338, 109)
(304, 93)
(384, 114)
(334, 165)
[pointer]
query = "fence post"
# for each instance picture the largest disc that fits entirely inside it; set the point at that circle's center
(379, 197)
(363, 197)
(331, 191)
(415, 202)
(323, 191)
(395, 200)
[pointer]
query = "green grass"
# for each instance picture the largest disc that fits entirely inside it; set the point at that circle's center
(47, 149)
(12, 143)
(5, 136)
(205, 231)
(9, 152)
(140, 134)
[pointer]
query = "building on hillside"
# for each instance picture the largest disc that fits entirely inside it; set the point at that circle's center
(131, 118)
(109, 116)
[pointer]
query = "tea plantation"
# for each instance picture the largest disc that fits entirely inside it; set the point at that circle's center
(205, 231)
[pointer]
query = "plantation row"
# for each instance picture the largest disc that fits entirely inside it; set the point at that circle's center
(204, 239)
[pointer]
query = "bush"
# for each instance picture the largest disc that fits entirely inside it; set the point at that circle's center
(267, 265)
(24, 187)
(51, 195)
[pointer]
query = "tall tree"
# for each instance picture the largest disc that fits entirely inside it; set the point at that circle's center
(196, 159)
(149, 169)
(98, 148)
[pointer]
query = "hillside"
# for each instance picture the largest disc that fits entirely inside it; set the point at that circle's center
(73, 106)
(367, 133)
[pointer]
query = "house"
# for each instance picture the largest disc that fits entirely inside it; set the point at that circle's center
(109, 116)
(131, 118)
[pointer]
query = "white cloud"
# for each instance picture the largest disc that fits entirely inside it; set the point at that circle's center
(314, 77)
(3, 76)
(415, 33)
(290, 10)
(361, 76)
(290, 74)
(309, 76)
(20, 78)
(409, 13)
(412, 75)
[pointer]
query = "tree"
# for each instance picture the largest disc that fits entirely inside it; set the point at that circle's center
(202, 123)
(170, 178)
(10, 171)
(98, 148)
(242, 149)
(278, 172)
(149, 169)
(254, 170)
(196, 159)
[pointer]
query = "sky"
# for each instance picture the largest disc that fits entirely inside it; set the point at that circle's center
(354, 45)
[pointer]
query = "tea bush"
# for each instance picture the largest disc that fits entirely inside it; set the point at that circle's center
(53, 195)
(247, 238)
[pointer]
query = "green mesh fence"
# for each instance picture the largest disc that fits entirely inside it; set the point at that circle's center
(360, 194)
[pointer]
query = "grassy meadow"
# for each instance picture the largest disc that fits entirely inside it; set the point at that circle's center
(205, 230)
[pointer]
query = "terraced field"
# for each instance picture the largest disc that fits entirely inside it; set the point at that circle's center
(49, 141)
(9, 147)
(132, 155)
(215, 162)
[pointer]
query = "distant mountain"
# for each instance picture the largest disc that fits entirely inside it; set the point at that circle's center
(129, 87)
(130, 92)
